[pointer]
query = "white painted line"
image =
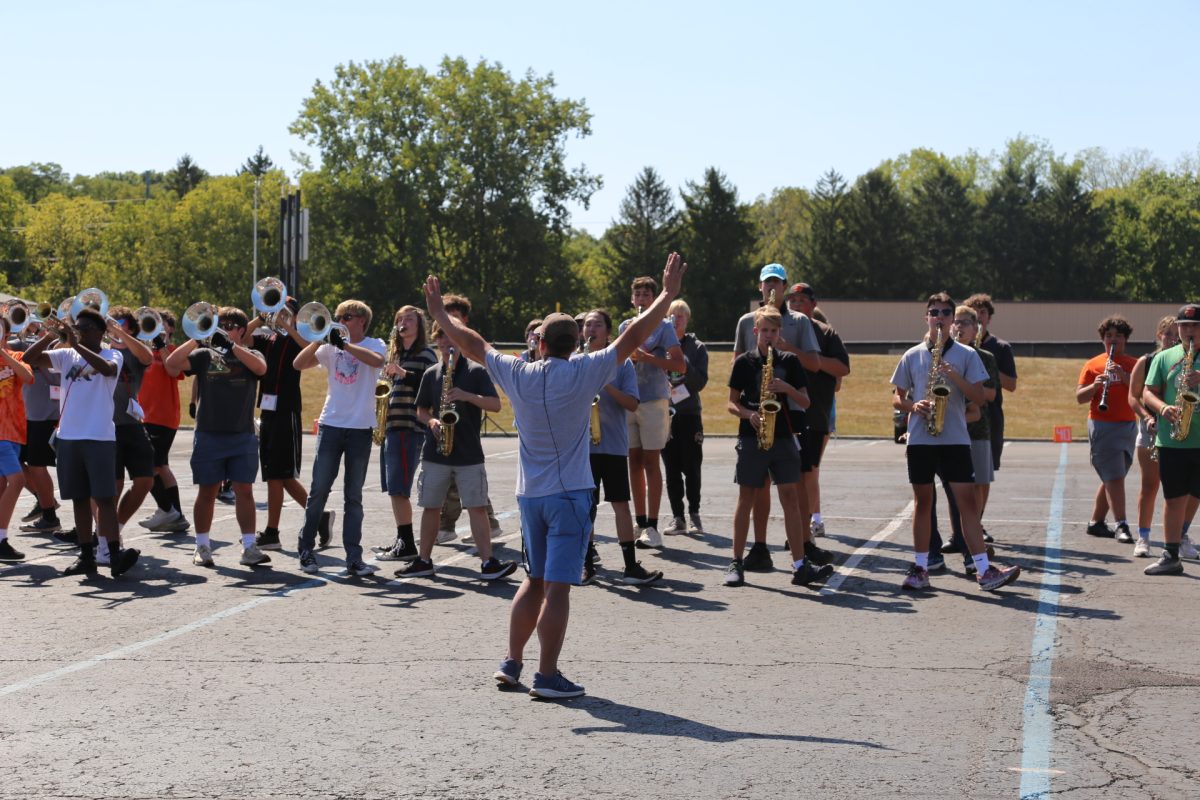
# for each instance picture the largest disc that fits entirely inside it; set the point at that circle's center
(851, 566)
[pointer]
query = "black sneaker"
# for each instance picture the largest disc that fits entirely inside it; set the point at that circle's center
(758, 559)
(987, 537)
(225, 493)
(937, 562)
(81, 566)
(1101, 530)
(43, 525)
(268, 540)
(589, 571)
(123, 560)
(817, 555)
(494, 569)
(8, 554)
(67, 537)
(1166, 565)
(1124, 536)
(951, 546)
(736, 574)
(399, 551)
(637, 575)
(417, 568)
(809, 573)
(325, 529)
(32, 515)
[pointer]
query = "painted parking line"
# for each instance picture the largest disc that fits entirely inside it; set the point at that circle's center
(850, 567)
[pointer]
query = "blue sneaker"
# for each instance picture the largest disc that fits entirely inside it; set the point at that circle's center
(509, 673)
(937, 561)
(555, 687)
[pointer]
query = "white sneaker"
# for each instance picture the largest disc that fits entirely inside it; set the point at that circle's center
(172, 523)
(360, 569)
(252, 556)
(1141, 548)
(157, 518)
(445, 536)
(650, 538)
(677, 526)
(203, 556)
(1187, 549)
(818, 530)
(697, 525)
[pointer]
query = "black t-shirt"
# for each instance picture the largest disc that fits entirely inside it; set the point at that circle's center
(822, 385)
(1007, 365)
(129, 383)
(746, 377)
(227, 391)
(281, 378)
(470, 377)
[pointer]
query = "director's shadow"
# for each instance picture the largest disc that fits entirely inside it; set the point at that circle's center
(630, 719)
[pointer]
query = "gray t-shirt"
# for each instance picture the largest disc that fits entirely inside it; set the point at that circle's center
(39, 406)
(552, 405)
(652, 381)
(614, 429)
(912, 375)
(129, 383)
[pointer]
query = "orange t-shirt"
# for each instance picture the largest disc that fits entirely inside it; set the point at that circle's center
(159, 395)
(1118, 393)
(12, 403)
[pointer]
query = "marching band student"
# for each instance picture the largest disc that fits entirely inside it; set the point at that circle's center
(1007, 364)
(650, 424)
(683, 454)
(459, 307)
(551, 401)
(159, 399)
(1112, 431)
(782, 459)
(822, 386)
(86, 439)
(530, 352)
(344, 429)
(279, 426)
(14, 374)
(409, 356)
(1165, 337)
(1178, 458)
(224, 447)
(471, 391)
(135, 452)
(609, 457)
(37, 456)
(948, 452)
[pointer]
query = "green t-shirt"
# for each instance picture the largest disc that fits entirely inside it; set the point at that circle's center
(1164, 373)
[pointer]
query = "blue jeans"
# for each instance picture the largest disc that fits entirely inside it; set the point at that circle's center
(332, 444)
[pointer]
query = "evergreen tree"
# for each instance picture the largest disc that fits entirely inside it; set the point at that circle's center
(827, 254)
(258, 164)
(878, 231)
(718, 237)
(944, 235)
(645, 231)
(186, 176)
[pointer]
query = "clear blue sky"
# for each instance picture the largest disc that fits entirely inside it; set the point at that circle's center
(773, 94)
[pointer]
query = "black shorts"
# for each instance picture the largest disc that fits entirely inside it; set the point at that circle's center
(135, 453)
(279, 445)
(950, 462)
(1179, 469)
(782, 462)
(162, 438)
(86, 469)
(611, 472)
(36, 452)
(813, 448)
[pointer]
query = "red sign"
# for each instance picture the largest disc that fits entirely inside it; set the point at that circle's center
(1062, 433)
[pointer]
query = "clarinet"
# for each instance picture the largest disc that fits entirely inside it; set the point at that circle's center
(1103, 406)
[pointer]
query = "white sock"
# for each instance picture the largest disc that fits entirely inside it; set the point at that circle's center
(797, 564)
(816, 518)
(102, 546)
(981, 562)
(3, 534)
(923, 560)
(120, 529)
(202, 540)
(247, 541)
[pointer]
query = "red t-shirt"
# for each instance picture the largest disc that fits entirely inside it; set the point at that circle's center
(159, 396)
(1118, 393)
(12, 403)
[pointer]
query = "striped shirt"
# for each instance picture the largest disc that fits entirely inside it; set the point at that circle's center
(402, 403)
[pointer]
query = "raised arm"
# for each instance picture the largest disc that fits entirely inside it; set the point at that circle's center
(641, 328)
(468, 342)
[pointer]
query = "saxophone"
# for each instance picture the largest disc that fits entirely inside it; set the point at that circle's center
(1186, 396)
(383, 390)
(768, 404)
(448, 413)
(595, 419)
(937, 390)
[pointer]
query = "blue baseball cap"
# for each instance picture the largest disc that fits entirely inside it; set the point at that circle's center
(772, 271)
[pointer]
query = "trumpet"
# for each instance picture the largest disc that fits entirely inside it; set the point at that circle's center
(200, 321)
(314, 322)
(17, 315)
(149, 323)
(269, 297)
(90, 298)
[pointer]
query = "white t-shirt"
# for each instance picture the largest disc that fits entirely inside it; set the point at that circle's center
(350, 402)
(86, 406)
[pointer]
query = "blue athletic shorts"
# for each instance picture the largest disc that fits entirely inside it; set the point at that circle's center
(224, 456)
(556, 529)
(398, 460)
(10, 458)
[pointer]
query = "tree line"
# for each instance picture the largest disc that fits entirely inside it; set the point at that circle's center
(462, 170)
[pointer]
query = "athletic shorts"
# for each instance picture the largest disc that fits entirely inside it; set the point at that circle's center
(279, 445)
(782, 462)
(218, 457)
(981, 459)
(10, 458)
(36, 452)
(555, 530)
(398, 461)
(611, 472)
(86, 469)
(135, 452)
(812, 448)
(649, 425)
(950, 462)
(162, 438)
(1111, 445)
(434, 485)
(1179, 469)
(1145, 439)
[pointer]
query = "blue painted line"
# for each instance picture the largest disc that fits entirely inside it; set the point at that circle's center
(1039, 723)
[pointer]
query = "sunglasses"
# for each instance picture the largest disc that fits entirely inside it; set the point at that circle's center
(965, 323)
(945, 312)
(229, 326)
(346, 317)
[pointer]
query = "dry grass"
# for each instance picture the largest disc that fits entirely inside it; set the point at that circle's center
(1045, 398)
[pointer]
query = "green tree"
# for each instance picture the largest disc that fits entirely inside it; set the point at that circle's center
(782, 226)
(35, 181)
(13, 209)
(63, 240)
(944, 233)
(647, 228)
(1010, 253)
(1073, 238)
(878, 228)
(826, 255)
(186, 176)
(718, 239)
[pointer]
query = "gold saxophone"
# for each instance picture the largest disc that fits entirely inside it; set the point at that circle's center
(768, 404)
(595, 420)
(937, 391)
(1186, 396)
(383, 389)
(448, 413)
